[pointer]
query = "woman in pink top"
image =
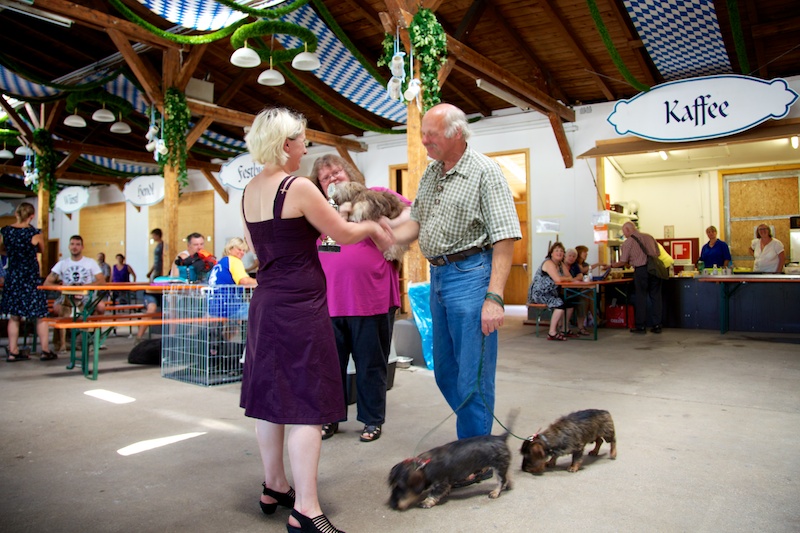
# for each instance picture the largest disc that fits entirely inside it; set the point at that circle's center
(363, 296)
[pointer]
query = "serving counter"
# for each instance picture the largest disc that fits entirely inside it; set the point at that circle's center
(738, 302)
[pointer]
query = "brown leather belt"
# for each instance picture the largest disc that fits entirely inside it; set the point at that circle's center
(455, 258)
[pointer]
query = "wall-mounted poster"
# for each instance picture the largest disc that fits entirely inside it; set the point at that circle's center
(681, 251)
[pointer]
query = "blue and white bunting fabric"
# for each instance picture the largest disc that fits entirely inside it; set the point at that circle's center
(109, 163)
(202, 15)
(681, 36)
(339, 68)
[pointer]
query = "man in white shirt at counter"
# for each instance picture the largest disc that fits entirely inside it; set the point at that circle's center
(634, 251)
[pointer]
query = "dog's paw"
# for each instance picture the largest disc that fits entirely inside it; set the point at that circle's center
(574, 468)
(428, 502)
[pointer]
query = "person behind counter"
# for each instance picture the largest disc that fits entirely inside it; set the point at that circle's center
(768, 251)
(715, 252)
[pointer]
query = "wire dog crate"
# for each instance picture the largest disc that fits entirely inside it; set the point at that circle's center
(204, 333)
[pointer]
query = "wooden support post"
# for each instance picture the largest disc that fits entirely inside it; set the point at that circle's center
(43, 223)
(172, 242)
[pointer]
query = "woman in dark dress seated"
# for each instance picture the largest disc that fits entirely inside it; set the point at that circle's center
(291, 371)
(543, 289)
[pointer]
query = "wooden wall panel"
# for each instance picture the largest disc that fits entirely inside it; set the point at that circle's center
(7, 221)
(103, 230)
(195, 214)
(763, 197)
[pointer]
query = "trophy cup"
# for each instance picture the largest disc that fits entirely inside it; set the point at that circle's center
(329, 245)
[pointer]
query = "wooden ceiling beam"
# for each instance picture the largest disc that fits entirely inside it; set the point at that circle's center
(470, 20)
(577, 49)
(105, 180)
(103, 22)
(366, 11)
(242, 119)
(544, 79)
(65, 163)
(145, 73)
(216, 185)
(16, 120)
(55, 114)
(634, 43)
(190, 64)
(500, 76)
(121, 153)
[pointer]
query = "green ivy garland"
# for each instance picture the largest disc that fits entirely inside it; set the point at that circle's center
(9, 137)
(182, 39)
(329, 108)
(176, 124)
(738, 36)
(118, 105)
(271, 27)
(319, 5)
(430, 50)
(612, 50)
(278, 12)
(45, 162)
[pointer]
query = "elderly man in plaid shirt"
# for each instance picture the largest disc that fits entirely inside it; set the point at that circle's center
(466, 223)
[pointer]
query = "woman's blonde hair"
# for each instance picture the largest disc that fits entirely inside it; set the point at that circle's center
(333, 160)
(235, 242)
(24, 211)
(270, 130)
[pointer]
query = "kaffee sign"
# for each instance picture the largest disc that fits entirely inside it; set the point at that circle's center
(702, 108)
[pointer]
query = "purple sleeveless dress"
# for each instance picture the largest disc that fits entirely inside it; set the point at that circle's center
(291, 370)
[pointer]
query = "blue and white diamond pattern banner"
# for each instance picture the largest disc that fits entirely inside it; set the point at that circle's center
(681, 36)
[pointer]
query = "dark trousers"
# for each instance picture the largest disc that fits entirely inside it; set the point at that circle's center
(368, 339)
(646, 287)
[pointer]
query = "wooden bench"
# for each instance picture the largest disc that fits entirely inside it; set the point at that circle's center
(124, 307)
(536, 314)
(110, 322)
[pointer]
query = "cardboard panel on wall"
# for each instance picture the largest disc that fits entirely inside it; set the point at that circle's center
(763, 197)
(195, 215)
(103, 230)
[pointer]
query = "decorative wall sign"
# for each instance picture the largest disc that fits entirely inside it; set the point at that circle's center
(702, 108)
(144, 190)
(6, 208)
(72, 199)
(239, 171)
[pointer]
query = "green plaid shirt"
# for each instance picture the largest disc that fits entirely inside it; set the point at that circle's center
(471, 205)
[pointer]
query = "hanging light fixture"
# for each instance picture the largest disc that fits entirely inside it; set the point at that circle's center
(306, 60)
(5, 153)
(120, 127)
(245, 57)
(23, 150)
(75, 120)
(663, 155)
(795, 142)
(271, 77)
(103, 115)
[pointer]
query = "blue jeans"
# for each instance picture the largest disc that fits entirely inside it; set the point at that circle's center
(460, 351)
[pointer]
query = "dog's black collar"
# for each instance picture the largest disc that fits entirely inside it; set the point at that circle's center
(541, 438)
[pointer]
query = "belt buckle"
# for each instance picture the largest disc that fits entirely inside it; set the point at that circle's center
(437, 261)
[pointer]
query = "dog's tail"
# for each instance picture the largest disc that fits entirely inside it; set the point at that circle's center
(510, 421)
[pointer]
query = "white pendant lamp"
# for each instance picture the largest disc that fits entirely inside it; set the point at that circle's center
(75, 120)
(120, 127)
(5, 153)
(23, 150)
(306, 60)
(271, 77)
(246, 57)
(103, 115)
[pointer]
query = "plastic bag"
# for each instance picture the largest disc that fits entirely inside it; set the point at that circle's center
(419, 295)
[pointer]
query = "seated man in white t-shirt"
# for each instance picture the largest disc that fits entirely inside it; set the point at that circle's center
(77, 270)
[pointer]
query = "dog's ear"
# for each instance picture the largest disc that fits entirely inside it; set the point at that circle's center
(417, 481)
(526, 446)
(394, 475)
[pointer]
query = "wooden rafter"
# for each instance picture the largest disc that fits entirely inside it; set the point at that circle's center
(145, 74)
(216, 185)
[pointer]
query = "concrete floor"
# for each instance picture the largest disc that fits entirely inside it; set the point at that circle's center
(708, 427)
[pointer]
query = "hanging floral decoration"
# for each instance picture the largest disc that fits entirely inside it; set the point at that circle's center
(174, 125)
(42, 171)
(428, 49)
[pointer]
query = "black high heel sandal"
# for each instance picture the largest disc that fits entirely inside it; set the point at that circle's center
(318, 524)
(286, 499)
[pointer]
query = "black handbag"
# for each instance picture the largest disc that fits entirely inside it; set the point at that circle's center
(654, 265)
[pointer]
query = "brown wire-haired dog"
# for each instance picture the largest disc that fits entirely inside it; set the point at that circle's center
(433, 473)
(569, 434)
(366, 204)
